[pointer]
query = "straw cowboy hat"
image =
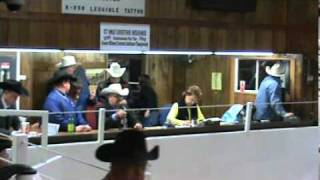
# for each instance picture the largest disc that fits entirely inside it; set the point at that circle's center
(15, 86)
(115, 89)
(129, 146)
(276, 70)
(67, 61)
(115, 70)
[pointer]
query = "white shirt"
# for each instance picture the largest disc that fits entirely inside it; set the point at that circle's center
(5, 105)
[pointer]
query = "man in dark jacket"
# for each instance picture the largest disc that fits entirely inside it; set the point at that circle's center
(12, 89)
(116, 115)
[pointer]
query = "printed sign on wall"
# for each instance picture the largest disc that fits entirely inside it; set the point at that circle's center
(133, 37)
(135, 8)
(216, 81)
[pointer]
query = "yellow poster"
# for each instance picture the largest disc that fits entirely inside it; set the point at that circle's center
(216, 81)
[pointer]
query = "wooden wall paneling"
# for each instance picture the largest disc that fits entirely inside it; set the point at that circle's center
(161, 68)
(18, 32)
(263, 40)
(26, 68)
(179, 79)
(279, 41)
(234, 39)
(3, 32)
(46, 6)
(248, 38)
(194, 38)
(243, 98)
(218, 39)
(182, 37)
(270, 12)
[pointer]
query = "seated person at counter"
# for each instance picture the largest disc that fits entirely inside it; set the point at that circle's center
(12, 89)
(119, 117)
(187, 109)
(147, 98)
(268, 100)
(116, 72)
(59, 102)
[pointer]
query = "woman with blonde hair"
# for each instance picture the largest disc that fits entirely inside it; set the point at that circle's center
(186, 111)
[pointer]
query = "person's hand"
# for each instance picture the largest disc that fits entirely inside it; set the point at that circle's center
(121, 114)
(92, 95)
(123, 102)
(289, 114)
(147, 113)
(138, 126)
(83, 128)
(35, 127)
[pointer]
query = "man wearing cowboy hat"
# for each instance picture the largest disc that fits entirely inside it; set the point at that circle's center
(268, 100)
(116, 72)
(128, 156)
(59, 102)
(12, 89)
(8, 170)
(71, 66)
(119, 117)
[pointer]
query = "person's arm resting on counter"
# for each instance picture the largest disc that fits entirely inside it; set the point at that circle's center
(275, 100)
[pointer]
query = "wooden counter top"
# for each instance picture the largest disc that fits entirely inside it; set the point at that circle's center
(64, 137)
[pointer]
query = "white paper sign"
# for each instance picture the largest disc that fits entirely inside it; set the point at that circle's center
(134, 8)
(123, 37)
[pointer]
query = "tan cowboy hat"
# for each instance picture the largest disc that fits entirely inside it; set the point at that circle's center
(67, 61)
(129, 146)
(115, 70)
(115, 89)
(276, 70)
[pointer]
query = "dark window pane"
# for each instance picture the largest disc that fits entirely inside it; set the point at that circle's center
(247, 73)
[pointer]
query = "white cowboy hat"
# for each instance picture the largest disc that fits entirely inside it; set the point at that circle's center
(115, 70)
(67, 61)
(116, 89)
(276, 70)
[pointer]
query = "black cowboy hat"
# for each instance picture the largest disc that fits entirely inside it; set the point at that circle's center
(15, 86)
(62, 75)
(5, 143)
(129, 146)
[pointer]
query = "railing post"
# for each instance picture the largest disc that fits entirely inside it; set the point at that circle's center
(44, 128)
(19, 148)
(248, 117)
(101, 124)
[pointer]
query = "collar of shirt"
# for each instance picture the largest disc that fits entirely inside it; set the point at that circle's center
(5, 105)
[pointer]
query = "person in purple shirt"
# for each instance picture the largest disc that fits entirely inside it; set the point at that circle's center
(268, 100)
(59, 102)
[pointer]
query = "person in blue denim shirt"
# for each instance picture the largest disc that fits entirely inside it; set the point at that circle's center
(268, 100)
(58, 101)
(71, 66)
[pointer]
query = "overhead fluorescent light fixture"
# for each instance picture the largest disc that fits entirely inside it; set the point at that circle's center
(243, 53)
(29, 50)
(179, 52)
(102, 52)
